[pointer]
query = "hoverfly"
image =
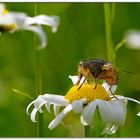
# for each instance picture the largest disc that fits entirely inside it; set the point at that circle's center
(97, 69)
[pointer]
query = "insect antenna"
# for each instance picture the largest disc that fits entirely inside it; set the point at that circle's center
(126, 71)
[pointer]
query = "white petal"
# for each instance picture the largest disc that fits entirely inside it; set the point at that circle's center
(7, 19)
(138, 114)
(133, 39)
(33, 114)
(39, 102)
(88, 113)
(77, 106)
(40, 33)
(40, 106)
(75, 79)
(48, 106)
(113, 129)
(109, 129)
(19, 19)
(52, 21)
(55, 99)
(27, 109)
(131, 99)
(2, 7)
(56, 109)
(107, 86)
(59, 117)
(113, 111)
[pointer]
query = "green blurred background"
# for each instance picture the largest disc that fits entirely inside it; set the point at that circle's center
(81, 35)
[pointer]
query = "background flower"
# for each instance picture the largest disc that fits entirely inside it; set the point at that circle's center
(133, 39)
(12, 21)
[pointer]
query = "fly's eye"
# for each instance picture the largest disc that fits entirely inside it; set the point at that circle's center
(85, 65)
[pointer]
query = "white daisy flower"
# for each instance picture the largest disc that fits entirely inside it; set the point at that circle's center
(13, 21)
(133, 39)
(85, 101)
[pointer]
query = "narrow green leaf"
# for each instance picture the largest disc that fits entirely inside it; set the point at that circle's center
(22, 93)
(119, 45)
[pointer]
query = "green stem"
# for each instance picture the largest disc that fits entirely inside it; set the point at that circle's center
(108, 28)
(38, 79)
(113, 11)
(87, 131)
(38, 72)
(120, 44)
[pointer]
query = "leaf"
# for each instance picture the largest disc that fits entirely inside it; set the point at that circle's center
(22, 93)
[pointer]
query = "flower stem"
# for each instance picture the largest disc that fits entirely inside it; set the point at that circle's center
(113, 11)
(38, 79)
(108, 28)
(38, 67)
(87, 131)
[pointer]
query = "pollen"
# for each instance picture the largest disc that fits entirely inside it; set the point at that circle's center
(87, 91)
(5, 11)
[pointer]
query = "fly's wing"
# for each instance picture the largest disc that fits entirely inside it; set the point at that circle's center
(126, 71)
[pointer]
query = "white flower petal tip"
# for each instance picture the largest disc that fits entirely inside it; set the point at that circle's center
(56, 109)
(42, 36)
(33, 114)
(27, 109)
(48, 107)
(47, 100)
(133, 39)
(138, 114)
(75, 79)
(52, 21)
(59, 117)
(83, 121)
(110, 129)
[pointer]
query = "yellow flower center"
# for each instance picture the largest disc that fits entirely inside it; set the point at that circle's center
(87, 91)
(9, 27)
(5, 11)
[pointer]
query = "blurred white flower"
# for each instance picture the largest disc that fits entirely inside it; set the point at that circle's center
(13, 21)
(133, 39)
(86, 101)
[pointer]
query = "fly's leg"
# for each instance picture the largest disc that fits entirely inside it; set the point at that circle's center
(96, 82)
(81, 84)
(80, 77)
(112, 93)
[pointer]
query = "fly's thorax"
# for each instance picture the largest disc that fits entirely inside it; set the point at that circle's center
(110, 76)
